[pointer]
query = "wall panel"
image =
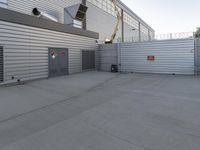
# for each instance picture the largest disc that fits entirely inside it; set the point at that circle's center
(26, 50)
(198, 54)
(171, 56)
(102, 22)
(107, 56)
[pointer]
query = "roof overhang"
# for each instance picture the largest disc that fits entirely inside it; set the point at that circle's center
(24, 19)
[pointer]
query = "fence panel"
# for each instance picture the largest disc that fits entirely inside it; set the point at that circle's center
(198, 55)
(165, 56)
(107, 55)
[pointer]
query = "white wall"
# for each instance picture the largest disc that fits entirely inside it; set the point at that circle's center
(130, 34)
(102, 22)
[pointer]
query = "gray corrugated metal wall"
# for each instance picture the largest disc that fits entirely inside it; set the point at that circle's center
(171, 56)
(26, 50)
(198, 54)
(101, 22)
(107, 56)
(53, 7)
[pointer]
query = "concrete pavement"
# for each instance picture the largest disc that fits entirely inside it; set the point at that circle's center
(102, 111)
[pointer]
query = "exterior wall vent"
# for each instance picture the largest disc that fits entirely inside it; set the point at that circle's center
(75, 14)
(42, 14)
(1, 64)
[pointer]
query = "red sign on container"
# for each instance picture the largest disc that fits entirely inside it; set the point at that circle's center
(151, 58)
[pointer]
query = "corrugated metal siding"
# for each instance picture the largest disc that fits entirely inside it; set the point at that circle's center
(53, 7)
(1, 64)
(26, 50)
(198, 54)
(101, 22)
(107, 56)
(172, 56)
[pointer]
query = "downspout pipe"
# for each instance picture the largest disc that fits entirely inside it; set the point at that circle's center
(39, 13)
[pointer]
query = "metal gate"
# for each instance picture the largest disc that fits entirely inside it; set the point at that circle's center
(166, 56)
(198, 55)
(88, 59)
(58, 62)
(1, 64)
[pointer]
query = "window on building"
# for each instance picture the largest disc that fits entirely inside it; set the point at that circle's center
(105, 5)
(143, 29)
(131, 21)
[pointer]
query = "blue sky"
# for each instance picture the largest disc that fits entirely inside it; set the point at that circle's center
(168, 16)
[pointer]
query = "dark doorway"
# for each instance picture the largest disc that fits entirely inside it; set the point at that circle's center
(88, 59)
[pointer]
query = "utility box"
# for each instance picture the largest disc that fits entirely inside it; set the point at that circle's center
(75, 14)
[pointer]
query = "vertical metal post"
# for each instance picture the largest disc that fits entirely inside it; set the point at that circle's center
(149, 35)
(85, 19)
(119, 55)
(195, 57)
(122, 12)
(139, 28)
(171, 36)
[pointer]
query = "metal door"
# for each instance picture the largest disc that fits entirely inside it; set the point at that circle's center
(88, 59)
(1, 64)
(58, 62)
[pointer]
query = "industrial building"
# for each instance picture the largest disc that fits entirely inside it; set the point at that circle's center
(40, 39)
(100, 16)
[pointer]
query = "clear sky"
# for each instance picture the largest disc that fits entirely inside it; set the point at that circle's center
(168, 16)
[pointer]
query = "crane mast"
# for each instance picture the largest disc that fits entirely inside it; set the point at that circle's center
(117, 24)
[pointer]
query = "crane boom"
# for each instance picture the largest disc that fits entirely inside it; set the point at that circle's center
(117, 24)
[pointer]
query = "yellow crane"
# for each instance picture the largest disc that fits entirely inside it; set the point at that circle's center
(117, 24)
